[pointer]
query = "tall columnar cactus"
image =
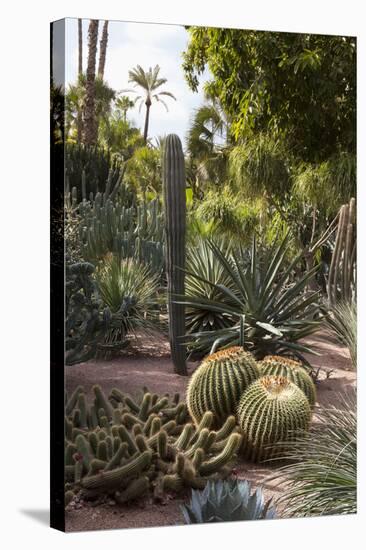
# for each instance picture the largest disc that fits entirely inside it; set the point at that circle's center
(341, 278)
(219, 382)
(272, 412)
(174, 186)
(275, 365)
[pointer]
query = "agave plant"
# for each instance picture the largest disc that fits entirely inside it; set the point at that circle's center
(277, 310)
(322, 476)
(202, 261)
(229, 500)
(342, 320)
(129, 289)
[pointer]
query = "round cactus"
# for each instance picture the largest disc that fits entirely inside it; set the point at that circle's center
(219, 382)
(275, 365)
(272, 410)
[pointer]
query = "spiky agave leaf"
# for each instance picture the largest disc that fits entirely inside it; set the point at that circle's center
(278, 311)
(322, 476)
(229, 500)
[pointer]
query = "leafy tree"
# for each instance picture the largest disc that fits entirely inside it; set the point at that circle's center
(149, 83)
(301, 87)
(144, 171)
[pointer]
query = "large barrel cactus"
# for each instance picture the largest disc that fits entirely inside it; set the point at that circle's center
(272, 412)
(275, 365)
(174, 186)
(219, 382)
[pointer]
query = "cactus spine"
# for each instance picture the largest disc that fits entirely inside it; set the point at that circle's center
(272, 412)
(275, 365)
(219, 382)
(174, 186)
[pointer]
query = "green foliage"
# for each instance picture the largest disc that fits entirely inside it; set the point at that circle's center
(233, 217)
(218, 383)
(174, 187)
(280, 82)
(272, 413)
(87, 320)
(143, 171)
(229, 500)
(274, 365)
(127, 447)
(342, 321)
(322, 476)
(129, 289)
(328, 184)
(260, 166)
(278, 312)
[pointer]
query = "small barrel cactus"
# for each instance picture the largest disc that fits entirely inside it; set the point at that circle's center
(274, 365)
(272, 412)
(219, 382)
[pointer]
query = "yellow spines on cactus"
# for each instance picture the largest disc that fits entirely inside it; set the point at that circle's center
(293, 370)
(272, 412)
(218, 383)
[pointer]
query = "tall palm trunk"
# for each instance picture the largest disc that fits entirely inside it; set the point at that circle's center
(90, 127)
(147, 116)
(80, 72)
(103, 50)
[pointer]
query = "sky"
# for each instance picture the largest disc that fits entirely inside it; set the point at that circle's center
(145, 44)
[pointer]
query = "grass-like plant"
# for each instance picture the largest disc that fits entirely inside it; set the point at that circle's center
(342, 320)
(278, 310)
(130, 290)
(322, 476)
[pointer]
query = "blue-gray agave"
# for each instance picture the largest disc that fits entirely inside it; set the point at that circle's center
(229, 500)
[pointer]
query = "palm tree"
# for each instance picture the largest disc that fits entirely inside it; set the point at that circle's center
(90, 129)
(80, 72)
(148, 82)
(103, 50)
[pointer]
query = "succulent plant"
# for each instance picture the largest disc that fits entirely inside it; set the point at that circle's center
(127, 447)
(272, 413)
(218, 383)
(275, 365)
(174, 185)
(229, 500)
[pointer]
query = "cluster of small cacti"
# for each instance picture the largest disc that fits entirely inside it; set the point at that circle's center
(219, 382)
(275, 365)
(272, 399)
(108, 226)
(124, 448)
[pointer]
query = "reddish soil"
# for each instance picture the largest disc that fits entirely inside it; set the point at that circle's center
(148, 364)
